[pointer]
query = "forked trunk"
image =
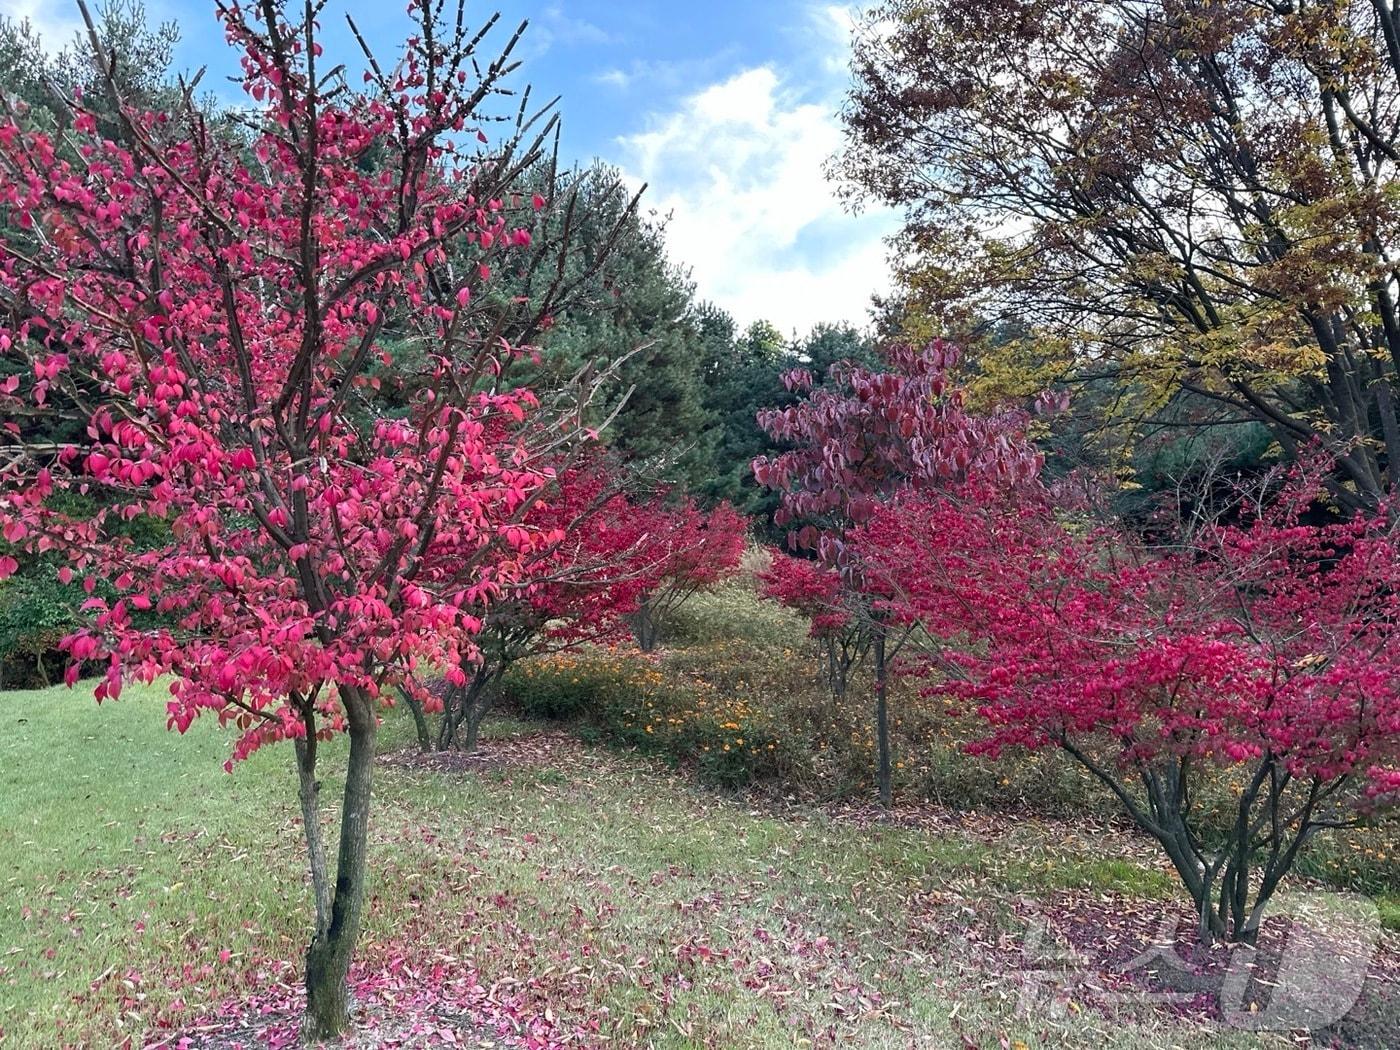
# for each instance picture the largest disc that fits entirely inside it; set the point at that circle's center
(478, 702)
(471, 730)
(465, 707)
(1231, 885)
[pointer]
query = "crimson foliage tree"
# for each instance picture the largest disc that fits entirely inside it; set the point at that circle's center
(814, 591)
(605, 551)
(691, 549)
(207, 306)
(1251, 662)
(612, 562)
(864, 436)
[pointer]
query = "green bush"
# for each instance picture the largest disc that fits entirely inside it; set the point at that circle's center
(555, 689)
(1364, 859)
(36, 611)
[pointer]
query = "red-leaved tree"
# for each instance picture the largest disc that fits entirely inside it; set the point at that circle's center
(207, 301)
(815, 591)
(608, 550)
(690, 550)
(864, 436)
(1252, 663)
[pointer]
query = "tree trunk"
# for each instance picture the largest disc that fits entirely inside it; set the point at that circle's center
(477, 704)
(882, 721)
(451, 716)
(472, 729)
(339, 908)
(464, 709)
(420, 722)
(644, 627)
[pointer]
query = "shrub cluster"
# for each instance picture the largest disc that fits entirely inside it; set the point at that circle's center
(744, 706)
(837, 736)
(632, 701)
(744, 712)
(741, 707)
(36, 611)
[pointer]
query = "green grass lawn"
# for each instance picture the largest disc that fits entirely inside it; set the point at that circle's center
(143, 885)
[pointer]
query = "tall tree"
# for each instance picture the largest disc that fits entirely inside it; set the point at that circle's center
(46, 74)
(636, 303)
(856, 442)
(743, 375)
(831, 344)
(209, 316)
(1188, 197)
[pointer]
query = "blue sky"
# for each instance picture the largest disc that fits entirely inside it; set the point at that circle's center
(726, 109)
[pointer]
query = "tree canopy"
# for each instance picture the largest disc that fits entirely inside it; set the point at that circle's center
(1192, 200)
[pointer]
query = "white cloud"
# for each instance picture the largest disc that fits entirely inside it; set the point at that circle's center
(554, 28)
(614, 78)
(569, 30)
(664, 77)
(738, 167)
(834, 23)
(53, 21)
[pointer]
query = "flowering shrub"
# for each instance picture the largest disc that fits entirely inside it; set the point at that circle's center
(562, 686)
(633, 701)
